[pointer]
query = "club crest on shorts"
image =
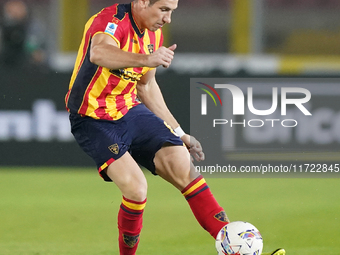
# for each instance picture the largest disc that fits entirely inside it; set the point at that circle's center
(151, 48)
(222, 216)
(130, 241)
(114, 148)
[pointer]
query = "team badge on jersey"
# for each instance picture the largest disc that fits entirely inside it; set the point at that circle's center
(151, 48)
(111, 28)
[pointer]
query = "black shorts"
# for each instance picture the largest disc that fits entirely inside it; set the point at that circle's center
(140, 132)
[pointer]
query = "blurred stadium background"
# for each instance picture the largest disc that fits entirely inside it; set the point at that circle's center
(220, 38)
(216, 38)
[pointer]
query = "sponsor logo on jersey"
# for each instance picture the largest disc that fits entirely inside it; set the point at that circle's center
(111, 28)
(126, 75)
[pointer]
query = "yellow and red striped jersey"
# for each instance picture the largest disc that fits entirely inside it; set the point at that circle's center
(99, 92)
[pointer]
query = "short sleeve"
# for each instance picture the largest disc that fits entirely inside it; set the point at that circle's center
(109, 26)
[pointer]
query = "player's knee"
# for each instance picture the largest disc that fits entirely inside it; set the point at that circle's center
(139, 195)
(136, 192)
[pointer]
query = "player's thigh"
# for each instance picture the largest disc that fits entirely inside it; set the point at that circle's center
(128, 177)
(173, 164)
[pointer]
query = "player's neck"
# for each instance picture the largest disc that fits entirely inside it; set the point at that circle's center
(135, 11)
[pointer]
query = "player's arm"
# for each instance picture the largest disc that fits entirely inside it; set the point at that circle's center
(151, 95)
(106, 53)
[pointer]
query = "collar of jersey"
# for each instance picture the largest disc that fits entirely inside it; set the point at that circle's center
(134, 24)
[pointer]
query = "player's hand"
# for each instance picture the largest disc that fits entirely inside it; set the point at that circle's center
(163, 56)
(194, 147)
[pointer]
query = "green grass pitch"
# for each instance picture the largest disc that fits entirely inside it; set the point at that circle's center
(68, 211)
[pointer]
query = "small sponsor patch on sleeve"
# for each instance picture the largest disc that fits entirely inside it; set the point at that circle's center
(111, 28)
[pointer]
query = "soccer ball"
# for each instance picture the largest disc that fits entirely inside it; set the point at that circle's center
(239, 238)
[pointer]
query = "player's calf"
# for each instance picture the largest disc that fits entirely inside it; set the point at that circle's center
(210, 215)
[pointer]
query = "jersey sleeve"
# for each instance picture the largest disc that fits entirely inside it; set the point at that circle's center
(112, 27)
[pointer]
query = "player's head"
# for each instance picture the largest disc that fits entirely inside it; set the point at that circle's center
(153, 14)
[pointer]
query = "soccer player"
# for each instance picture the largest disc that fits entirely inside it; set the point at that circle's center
(118, 115)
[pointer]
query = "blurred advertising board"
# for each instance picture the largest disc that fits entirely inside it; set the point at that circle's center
(256, 121)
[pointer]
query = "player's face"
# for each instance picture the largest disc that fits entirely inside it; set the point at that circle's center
(159, 14)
